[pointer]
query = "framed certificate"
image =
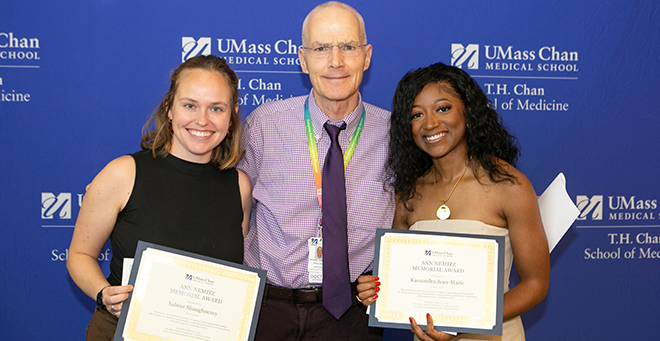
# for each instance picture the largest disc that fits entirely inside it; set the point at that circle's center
(179, 295)
(457, 278)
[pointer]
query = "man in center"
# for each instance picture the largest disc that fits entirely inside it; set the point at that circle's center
(317, 167)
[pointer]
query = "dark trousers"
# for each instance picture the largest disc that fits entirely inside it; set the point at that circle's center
(102, 326)
(284, 320)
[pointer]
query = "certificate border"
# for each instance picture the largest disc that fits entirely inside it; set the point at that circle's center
(497, 328)
(142, 246)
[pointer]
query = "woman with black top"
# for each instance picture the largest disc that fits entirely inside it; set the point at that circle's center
(180, 191)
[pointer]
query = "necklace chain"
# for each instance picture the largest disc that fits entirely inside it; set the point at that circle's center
(442, 202)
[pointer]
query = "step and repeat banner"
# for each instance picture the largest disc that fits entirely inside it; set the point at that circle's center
(575, 81)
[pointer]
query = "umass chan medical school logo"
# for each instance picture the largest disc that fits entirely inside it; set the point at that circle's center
(55, 205)
(465, 56)
(591, 207)
(199, 279)
(191, 47)
(282, 52)
(616, 208)
(56, 209)
(510, 58)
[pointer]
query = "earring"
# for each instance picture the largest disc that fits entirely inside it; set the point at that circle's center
(170, 124)
(229, 133)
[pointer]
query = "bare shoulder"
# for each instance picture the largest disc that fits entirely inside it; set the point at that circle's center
(115, 181)
(246, 199)
(241, 175)
(107, 194)
(244, 182)
(123, 164)
(119, 170)
(518, 183)
(517, 200)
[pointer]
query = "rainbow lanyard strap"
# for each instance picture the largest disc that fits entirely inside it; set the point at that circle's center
(314, 155)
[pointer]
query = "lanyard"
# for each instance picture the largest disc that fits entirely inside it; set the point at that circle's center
(314, 155)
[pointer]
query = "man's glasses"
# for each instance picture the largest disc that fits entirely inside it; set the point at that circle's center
(324, 50)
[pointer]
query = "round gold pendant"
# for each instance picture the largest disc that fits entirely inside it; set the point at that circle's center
(443, 212)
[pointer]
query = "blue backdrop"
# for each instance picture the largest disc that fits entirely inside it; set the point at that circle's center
(576, 82)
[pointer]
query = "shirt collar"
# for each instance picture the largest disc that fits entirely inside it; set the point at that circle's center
(319, 118)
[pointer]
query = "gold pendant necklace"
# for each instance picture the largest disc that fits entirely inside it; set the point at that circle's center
(443, 211)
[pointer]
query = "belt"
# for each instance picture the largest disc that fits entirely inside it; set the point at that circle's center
(308, 295)
(311, 295)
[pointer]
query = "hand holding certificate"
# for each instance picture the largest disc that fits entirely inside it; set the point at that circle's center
(182, 296)
(456, 278)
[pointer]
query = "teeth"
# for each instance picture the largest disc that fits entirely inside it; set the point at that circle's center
(434, 137)
(200, 133)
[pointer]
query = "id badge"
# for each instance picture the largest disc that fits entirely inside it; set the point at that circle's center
(315, 260)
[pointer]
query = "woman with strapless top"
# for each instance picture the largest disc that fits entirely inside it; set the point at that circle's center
(451, 164)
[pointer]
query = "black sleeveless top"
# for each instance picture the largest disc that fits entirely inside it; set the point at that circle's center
(179, 204)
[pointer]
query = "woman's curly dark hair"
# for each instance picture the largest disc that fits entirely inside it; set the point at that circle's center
(485, 134)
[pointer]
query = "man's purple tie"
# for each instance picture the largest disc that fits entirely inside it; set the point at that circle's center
(336, 279)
